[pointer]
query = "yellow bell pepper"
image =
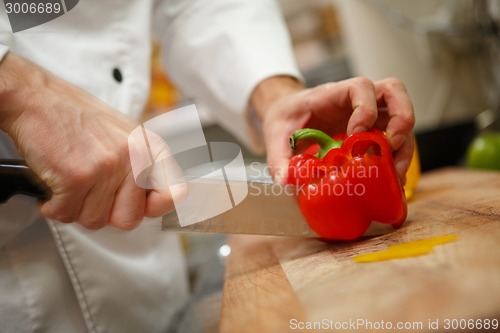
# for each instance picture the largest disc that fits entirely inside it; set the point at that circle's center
(413, 174)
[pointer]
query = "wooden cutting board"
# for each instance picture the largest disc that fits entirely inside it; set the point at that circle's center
(275, 284)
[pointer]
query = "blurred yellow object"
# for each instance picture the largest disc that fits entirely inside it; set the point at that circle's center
(413, 174)
(163, 93)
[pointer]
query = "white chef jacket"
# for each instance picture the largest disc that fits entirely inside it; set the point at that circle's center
(59, 277)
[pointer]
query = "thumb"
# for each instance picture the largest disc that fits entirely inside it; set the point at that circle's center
(278, 158)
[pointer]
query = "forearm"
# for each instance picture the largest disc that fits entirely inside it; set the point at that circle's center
(20, 81)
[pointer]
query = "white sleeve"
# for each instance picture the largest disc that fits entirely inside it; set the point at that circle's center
(217, 52)
(3, 51)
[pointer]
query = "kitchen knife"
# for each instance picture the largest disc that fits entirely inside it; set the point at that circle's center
(268, 208)
(17, 178)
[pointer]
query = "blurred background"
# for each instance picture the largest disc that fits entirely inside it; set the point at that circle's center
(447, 52)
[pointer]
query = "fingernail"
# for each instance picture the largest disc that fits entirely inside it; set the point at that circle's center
(359, 129)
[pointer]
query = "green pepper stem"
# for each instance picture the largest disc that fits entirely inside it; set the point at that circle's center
(326, 143)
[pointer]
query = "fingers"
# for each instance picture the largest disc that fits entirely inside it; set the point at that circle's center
(278, 150)
(398, 120)
(335, 105)
(115, 197)
(402, 158)
(63, 207)
(279, 168)
(358, 100)
(171, 186)
(158, 171)
(117, 202)
(330, 107)
(353, 106)
(160, 202)
(97, 206)
(68, 197)
(393, 94)
(128, 206)
(363, 104)
(278, 157)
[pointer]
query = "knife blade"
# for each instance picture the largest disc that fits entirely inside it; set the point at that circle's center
(17, 178)
(268, 209)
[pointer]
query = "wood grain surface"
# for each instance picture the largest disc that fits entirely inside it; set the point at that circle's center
(273, 283)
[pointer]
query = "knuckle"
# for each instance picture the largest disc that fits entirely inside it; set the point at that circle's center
(305, 102)
(408, 118)
(395, 83)
(320, 91)
(411, 119)
(79, 176)
(108, 163)
(326, 87)
(363, 82)
(84, 174)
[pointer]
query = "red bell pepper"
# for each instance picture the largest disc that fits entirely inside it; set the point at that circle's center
(345, 185)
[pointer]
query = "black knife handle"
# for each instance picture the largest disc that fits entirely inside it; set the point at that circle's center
(17, 178)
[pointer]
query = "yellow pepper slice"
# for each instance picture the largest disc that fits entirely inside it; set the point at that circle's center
(405, 250)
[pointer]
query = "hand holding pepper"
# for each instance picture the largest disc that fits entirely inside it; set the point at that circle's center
(351, 106)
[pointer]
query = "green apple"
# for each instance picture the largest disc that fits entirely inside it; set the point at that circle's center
(484, 151)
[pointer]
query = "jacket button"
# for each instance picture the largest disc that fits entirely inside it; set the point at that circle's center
(117, 75)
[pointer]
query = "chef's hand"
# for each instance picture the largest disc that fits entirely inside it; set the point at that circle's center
(356, 104)
(78, 146)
